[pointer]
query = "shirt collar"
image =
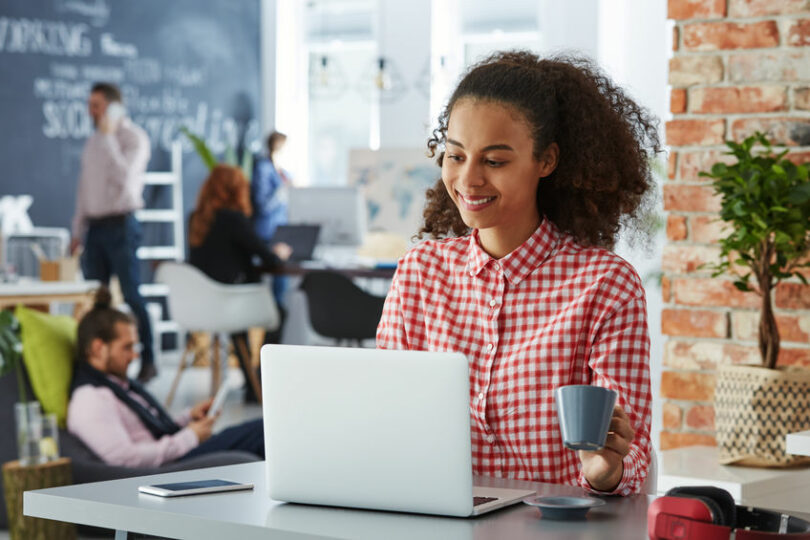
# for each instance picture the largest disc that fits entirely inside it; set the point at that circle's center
(123, 383)
(523, 260)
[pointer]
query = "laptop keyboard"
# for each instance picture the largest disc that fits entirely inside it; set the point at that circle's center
(482, 500)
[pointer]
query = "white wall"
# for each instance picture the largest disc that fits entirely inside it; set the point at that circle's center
(569, 25)
(634, 46)
(406, 40)
(268, 60)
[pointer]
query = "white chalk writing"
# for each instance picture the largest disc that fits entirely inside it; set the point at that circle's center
(111, 47)
(45, 37)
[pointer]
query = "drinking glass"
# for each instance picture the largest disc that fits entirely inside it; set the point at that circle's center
(49, 443)
(29, 432)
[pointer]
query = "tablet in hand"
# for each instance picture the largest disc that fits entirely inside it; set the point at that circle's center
(219, 399)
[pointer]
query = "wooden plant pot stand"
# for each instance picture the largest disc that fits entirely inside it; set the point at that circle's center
(17, 479)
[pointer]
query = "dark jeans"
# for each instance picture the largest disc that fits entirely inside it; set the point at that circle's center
(248, 437)
(110, 250)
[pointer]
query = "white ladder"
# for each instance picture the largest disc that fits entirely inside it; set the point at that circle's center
(173, 215)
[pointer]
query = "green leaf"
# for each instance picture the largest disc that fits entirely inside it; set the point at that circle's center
(743, 286)
(800, 194)
(758, 220)
(202, 149)
(10, 345)
(782, 238)
(247, 165)
(230, 155)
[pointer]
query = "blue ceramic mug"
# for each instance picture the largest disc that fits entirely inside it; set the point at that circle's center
(584, 413)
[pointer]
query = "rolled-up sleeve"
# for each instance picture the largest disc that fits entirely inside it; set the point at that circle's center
(619, 359)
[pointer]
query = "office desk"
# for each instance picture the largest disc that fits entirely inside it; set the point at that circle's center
(349, 271)
(250, 515)
(783, 489)
(44, 293)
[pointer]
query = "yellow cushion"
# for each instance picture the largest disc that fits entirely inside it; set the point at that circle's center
(48, 343)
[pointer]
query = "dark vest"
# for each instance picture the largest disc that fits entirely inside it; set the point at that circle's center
(158, 423)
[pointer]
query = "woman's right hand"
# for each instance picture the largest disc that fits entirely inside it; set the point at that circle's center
(282, 250)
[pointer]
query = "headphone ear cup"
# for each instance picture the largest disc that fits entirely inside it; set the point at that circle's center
(718, 500)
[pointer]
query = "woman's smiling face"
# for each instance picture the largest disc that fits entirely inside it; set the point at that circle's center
(490, 171)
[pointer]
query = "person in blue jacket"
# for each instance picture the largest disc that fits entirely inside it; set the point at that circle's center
(267, 191)
(268, 198)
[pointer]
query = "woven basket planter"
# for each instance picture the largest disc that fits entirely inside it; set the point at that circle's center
(755, 408)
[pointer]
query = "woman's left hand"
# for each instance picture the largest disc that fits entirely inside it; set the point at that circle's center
(603, 468)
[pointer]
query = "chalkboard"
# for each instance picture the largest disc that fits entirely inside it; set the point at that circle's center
(178, 62)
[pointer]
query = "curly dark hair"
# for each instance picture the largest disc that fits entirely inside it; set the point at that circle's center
(603, 182)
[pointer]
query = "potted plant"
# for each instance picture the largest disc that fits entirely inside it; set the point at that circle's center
(11, 348)
(210, 161)
(26, 413)
(765, 200)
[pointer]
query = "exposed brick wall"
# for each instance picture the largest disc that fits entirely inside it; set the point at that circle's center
(738, 66)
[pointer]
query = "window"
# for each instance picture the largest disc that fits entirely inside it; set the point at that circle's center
(487, 27)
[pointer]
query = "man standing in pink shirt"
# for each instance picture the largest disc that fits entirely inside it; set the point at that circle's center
(110, 189)
(121, 421)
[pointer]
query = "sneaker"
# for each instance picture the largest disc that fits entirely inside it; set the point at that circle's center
(147, 373)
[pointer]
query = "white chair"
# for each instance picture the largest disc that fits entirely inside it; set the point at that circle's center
(199, 304)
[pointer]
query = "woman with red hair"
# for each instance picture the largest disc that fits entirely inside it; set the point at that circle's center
(222, 240)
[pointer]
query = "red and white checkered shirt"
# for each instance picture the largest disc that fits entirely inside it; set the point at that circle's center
(550, 313)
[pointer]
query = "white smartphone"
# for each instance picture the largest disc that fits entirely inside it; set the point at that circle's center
(115, 111)
(219, 398)
(197, 487)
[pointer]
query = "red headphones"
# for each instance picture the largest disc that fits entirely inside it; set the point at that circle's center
(709, 513)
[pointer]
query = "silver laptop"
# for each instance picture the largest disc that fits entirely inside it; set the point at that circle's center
(377, 429)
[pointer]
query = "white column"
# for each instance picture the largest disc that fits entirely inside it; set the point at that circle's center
(267, 31)
(290, 101)
(404, 38)
(570, 25)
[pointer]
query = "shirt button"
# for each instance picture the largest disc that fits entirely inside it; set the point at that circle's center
(491, 438)
(490, 346)
(481, 396)
(493, 303)
(472, 274)
(496, 266)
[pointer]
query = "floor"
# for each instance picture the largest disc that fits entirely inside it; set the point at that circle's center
(194, 386)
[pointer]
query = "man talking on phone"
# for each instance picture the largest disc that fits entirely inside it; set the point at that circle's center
(110, 189)
(120, 420)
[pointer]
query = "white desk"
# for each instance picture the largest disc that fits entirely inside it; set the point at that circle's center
(252, 515)
(798, 443)
(780, 489)
(36, 292)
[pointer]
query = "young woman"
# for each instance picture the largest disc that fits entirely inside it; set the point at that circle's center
(543, 162)
(222, 240)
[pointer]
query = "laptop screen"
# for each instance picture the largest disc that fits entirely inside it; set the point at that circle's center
(301, 238)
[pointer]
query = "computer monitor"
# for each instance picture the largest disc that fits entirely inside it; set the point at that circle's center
(340, 211)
